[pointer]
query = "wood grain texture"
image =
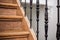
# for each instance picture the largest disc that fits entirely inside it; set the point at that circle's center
(8, 1)
(15, 39)
(14, 34)
(10, 17)
(8, 5)
(7, 11)
(11, 25)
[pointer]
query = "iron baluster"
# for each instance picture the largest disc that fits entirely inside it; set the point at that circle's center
(25, 7)
(37, 14)
(58, 24)
(31, 13)
(46, 21)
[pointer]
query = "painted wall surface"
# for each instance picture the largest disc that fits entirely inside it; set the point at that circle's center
(52, 15)
(42, 2)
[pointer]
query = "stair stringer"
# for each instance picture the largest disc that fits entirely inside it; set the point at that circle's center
(26, 22)
(32, 35)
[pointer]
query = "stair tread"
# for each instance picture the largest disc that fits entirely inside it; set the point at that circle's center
(10, 17)
(13, 33)
(8, 5)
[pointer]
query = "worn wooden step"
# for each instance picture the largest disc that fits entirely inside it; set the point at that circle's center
(8, 1)
(8, 5)
(10, 17)
(8, 11)
(14, 34)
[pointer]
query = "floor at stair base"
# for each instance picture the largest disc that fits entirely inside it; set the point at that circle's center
(8, 1)
(11, 26)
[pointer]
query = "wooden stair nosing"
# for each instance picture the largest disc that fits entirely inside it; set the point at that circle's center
(10, 17)
(8, 5)
(13, 34)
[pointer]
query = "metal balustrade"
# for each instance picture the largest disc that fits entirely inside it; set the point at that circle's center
(46, 17)
(46, 20)
(58, 23)
(37, 16)
(31, 13)
(25, 7)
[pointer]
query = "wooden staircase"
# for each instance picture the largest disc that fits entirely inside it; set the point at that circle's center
(13, 24)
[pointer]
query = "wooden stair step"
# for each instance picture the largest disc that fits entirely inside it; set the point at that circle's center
(13, 34)
(9, 17)
(8, 1)
(8, 5)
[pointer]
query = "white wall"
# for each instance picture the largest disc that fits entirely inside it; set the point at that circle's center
(52, 19)
(34, 1)
(42, 2)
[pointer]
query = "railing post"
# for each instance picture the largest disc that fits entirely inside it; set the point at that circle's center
(31, 13)
(37, 15)
(46, 21)
(58, 24)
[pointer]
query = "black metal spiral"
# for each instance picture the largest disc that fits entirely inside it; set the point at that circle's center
(31, 13)
(58, 24)
(37, 14)
(25, 7)
(46, 21)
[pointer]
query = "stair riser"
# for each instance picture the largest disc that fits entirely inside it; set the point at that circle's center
(7, 11)
(10, 26)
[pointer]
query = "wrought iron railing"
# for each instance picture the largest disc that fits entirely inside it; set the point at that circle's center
(46, 20)
(58, 23)
(46, 17)
(31, 13)
(37, 16)
(25, 7)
